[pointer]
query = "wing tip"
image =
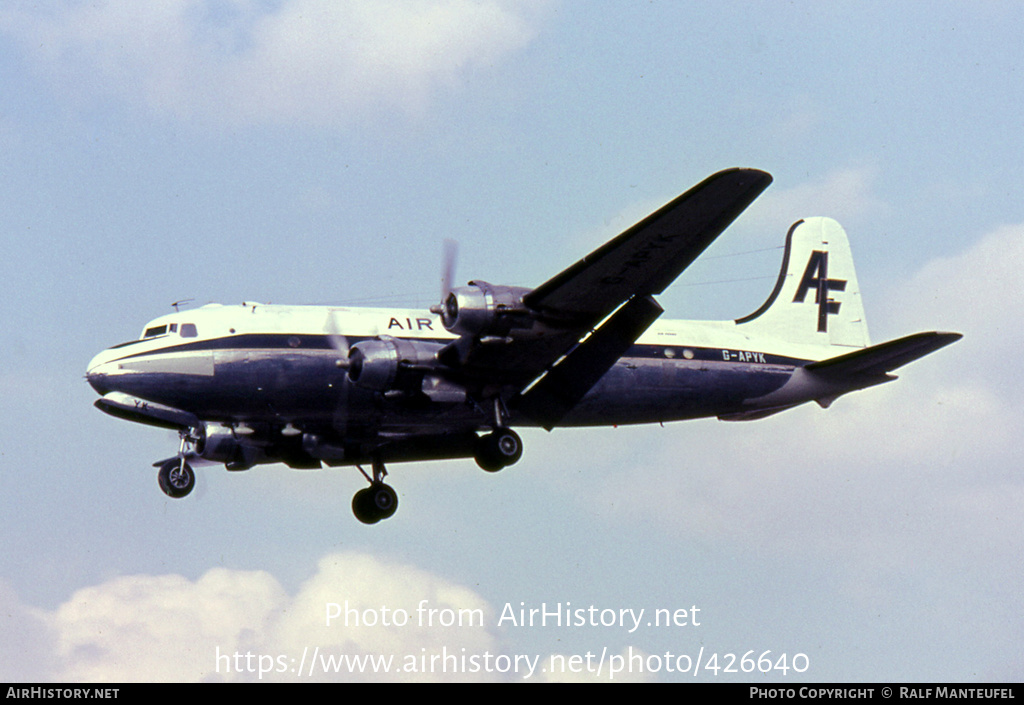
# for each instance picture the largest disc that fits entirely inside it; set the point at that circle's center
(758, 175)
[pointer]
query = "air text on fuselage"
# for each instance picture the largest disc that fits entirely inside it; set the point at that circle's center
(410, 324)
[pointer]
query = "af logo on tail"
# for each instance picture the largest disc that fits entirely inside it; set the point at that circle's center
(816, 278)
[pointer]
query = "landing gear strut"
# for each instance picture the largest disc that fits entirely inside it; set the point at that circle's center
(378, 501)
(176, 478)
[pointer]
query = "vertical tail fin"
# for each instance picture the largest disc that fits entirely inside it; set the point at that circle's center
(816, 299)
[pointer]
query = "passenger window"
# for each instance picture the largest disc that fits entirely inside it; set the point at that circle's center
(188, 330)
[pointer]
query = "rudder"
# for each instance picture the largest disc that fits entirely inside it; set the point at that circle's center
(816, 299)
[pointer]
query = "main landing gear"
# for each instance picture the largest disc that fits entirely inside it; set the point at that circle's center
(494, 451)
(502, 446)
(378, 501)
(499, 449)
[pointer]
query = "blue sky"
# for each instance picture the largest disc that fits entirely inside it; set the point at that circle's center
(294, 151)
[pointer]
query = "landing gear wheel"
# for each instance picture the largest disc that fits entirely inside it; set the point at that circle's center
(176, 478)
(376, 502)
(384, 499)
(499, 449)
(363, 508)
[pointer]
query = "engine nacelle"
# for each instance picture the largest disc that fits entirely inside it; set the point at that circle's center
(389, 364)
(221, 445)
(482, 309)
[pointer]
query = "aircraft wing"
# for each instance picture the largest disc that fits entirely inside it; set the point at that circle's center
(618, 278)
(649, 256)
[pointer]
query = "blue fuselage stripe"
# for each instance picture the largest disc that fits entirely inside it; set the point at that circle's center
(279, 377)
(300, 342)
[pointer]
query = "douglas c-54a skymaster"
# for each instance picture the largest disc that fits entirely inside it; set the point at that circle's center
(314, 386)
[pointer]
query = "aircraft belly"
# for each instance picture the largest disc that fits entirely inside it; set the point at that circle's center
(644, 391)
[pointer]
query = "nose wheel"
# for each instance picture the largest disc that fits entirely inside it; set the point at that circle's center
(176, 478)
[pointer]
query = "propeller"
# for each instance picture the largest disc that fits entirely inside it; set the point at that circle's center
(451, 252)
(449, 255)
(338, 341)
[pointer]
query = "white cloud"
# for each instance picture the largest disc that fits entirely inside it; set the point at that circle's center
(162, 628)
(975, 292)
(400, 621)
(229, 625)
(368, 589)
(843, 194)
(244, 61)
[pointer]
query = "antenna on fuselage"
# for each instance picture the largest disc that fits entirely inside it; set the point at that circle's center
(176, 304)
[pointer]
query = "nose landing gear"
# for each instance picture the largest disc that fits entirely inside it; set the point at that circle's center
(176, 477)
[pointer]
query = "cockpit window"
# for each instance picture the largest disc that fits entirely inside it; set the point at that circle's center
(188, 330)
(155, 331)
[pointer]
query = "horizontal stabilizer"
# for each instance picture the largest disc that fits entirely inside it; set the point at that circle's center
(558, 391)
(883, 358)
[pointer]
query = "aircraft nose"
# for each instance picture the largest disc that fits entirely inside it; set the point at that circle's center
(97, 372)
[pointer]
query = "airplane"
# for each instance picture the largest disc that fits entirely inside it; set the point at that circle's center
(328, 386)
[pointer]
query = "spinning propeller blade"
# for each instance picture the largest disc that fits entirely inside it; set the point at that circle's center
(451, 250)
(338, 341)
(449, 255)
